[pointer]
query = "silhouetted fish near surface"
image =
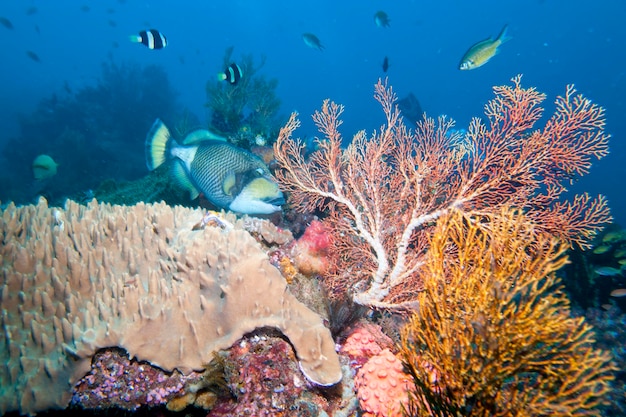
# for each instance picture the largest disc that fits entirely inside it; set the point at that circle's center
(33, 56)
(232, 74)
(480, 53)
(312, 41)
(385, 64)
(31, 11)
(6, 22)
(152, 38)
(381, 19)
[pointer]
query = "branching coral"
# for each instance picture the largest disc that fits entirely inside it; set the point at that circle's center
(496, 328)
(384, 193)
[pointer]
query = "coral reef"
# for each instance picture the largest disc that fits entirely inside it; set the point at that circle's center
(247, 112)
(592, 275)
(264, 379)
(78, 279)
(117, 382)
(310, 252)
(382, 386)
(610, 329)
(363, 341)
(511, 345)
(95, 133)
(383, 194)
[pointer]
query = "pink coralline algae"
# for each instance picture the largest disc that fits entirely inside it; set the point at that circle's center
(310, 253)
(364, 341)
(382, 386)
(263, 377)
(116, 381)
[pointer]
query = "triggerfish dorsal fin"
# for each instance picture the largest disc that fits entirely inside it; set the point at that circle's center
(157, 142)
(201, 135)
(182, 179)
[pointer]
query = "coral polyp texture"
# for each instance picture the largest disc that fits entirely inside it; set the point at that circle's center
(78, 279)
(382, 386)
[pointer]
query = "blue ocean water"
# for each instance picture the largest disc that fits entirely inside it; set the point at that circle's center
(554, 43)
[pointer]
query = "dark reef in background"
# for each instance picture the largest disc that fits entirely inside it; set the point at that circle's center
(94, 134)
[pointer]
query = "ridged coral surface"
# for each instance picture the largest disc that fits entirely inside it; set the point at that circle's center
(78, 279)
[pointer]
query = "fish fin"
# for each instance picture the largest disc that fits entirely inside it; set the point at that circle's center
(222, 76)
(201, 135)
(229, 184)
(182, 180)
(157, 142)
(503, 36)
(135, 38)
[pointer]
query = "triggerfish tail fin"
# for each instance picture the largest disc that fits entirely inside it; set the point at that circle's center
(135, 38)
(157, 143)
(503, 36)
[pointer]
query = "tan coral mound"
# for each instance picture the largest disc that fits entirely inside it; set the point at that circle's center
(84, 278)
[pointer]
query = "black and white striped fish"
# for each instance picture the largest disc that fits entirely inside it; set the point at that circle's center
(152, 38)
(232, 74)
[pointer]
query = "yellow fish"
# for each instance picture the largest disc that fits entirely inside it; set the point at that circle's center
(480, 53)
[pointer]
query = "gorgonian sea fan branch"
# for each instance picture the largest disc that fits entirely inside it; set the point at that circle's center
(387, 191)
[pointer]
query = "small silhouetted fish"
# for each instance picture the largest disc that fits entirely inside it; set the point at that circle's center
(385, 64)
(37, 30)
(115, 44)
(110, 10)
(410, 109)
(33, 56)
(381, 19)
(112, 23)
(31, 11)
(85, 8)
(312, 41)
(599, 250)
(620, 292)
(6, 22)
(607, 271)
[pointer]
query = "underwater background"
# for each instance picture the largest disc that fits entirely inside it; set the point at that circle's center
(64, 60)
(79, 104)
